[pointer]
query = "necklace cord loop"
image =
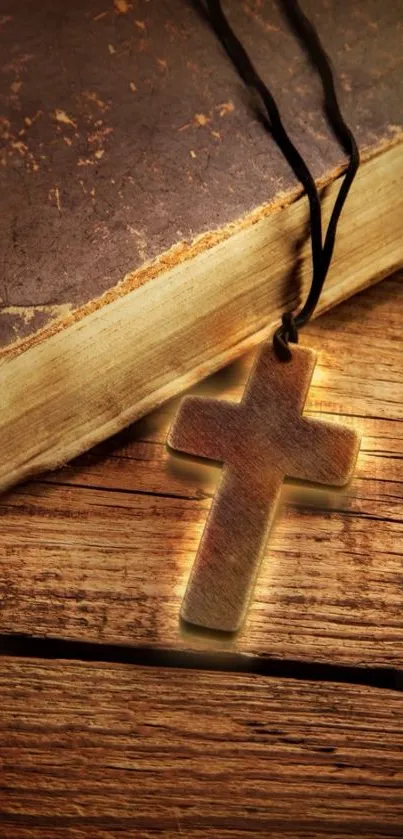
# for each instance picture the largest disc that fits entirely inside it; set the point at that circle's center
(321, 252)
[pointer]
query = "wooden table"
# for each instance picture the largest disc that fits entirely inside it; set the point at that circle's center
(116, 723)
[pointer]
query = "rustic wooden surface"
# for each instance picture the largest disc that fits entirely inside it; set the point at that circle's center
(101, 551)
(113, 122)
(102, 751)
(259, 442)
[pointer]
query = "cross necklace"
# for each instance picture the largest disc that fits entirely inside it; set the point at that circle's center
(265, 437)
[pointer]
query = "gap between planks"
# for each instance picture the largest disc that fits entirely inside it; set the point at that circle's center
(59, 650)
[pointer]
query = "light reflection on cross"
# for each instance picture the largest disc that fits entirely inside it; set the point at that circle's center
(260, 441)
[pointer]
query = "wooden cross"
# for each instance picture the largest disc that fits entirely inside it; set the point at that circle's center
(260, 441)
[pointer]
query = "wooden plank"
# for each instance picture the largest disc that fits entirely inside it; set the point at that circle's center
(112, 122)
(102, 550)
(172, 753)
(87, 381)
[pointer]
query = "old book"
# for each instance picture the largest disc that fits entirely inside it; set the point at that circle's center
(150, 228)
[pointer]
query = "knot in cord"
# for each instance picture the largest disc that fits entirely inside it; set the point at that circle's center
(283, 335)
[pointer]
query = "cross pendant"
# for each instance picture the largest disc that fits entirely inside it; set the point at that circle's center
(260, 441)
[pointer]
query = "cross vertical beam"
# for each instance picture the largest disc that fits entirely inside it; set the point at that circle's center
(223, 575)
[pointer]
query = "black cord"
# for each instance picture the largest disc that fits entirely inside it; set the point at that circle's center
(321, 253)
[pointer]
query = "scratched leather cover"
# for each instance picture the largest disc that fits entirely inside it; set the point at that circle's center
(125, 129)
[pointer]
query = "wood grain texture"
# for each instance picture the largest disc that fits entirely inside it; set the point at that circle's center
(171, 753)
(113, 124)
(259, 441)
(79, 386)
(102, 550)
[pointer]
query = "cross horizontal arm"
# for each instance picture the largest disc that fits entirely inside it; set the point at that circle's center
(204, 427)
(325, 452)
